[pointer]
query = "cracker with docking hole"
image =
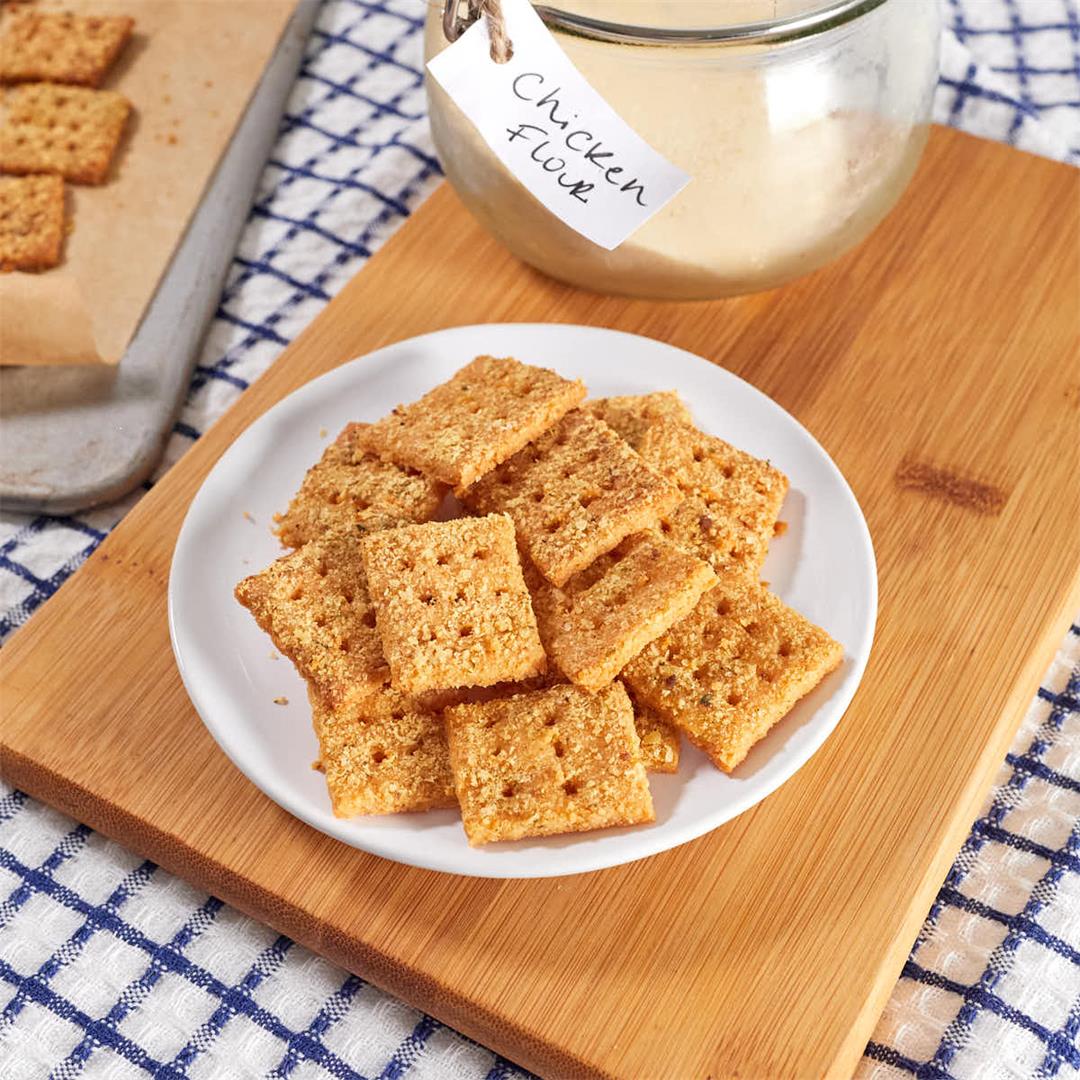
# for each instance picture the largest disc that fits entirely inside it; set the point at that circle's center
(731, 499)
(659, 738)
(66, 130)
(452, 605)
(732, 668)
(31, 222)
(606, 614)
(47, 46)
(631, 415)
(466, 426)
(574, 494)
(315, 605)
(383, 753)
(349, 489)
(551, 761)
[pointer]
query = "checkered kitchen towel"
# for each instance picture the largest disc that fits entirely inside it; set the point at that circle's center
(110, 967)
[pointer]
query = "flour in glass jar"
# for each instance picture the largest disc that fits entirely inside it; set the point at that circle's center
(796, 150)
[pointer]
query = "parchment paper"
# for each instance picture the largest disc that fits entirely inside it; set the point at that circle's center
(189, 72)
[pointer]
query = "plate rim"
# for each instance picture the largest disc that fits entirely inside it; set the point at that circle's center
(650, 842)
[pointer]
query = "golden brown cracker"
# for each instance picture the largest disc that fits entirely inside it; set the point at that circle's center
(551, 761)
(599, 621)
(660, 741)
(731, 499)
(383, 753)
(66, 130)
(466, 426)
(452, 605)
(349, 489)
(574, 494)
(631, 415)
(60, 47)
(315, 606)
(31, 222)
(731, 669)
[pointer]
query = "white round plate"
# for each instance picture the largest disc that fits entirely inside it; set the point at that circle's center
(823, 566)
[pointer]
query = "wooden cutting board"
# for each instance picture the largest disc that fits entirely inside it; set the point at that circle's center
(938, 365)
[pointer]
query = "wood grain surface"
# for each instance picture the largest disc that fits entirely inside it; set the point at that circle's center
(938, 365)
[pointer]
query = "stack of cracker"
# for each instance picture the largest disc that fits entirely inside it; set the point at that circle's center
(530, 660)
(55, 125)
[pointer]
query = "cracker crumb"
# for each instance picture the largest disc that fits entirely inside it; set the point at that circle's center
(248, 517)
(281, 701)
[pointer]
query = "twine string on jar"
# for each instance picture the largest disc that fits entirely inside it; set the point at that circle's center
(454, 26)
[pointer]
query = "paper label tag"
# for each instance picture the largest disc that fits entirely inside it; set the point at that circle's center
(554, 132)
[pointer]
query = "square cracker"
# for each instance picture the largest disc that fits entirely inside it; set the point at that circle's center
(465, 427)
(383, 753)
(61, 129)
(551, 761)
(574, 494)
(606, 614)
(31, 222)
(451, 604)
(349, 489)
(660, 742)
(631, 415)
(315, 606)
(731, 499)
(59, 47)
(731, 669)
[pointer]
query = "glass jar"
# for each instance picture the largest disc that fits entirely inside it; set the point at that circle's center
(800, 122)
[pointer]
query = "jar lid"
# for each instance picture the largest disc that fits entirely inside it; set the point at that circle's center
(691, 22)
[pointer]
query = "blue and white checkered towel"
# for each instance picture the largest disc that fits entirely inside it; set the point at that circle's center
(110, 967)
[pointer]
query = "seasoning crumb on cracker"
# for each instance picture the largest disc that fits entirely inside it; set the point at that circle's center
(348, 489)
(732, 668)
(551, 761)
(731, 499)
(31, 222)
(451, 603)
(61, 47)
(659, 738)
(606, 614)
(315, 606)
(631, 415)
(466, 426)
(67, 130)
(574, 494)
(383, 753)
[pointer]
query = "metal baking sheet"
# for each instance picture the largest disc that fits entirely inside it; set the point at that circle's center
(76, 437)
